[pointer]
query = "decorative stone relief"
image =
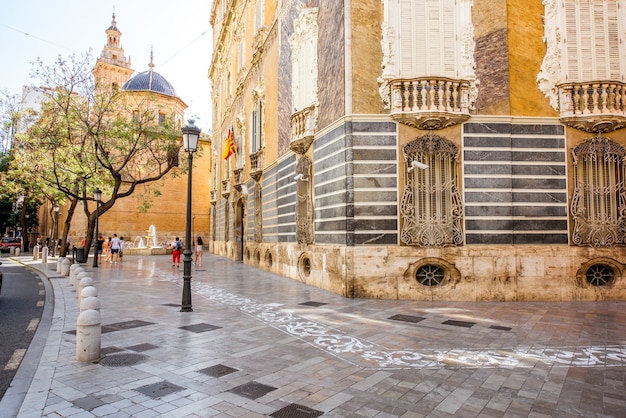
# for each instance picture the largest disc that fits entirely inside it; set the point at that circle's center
(304, 202)
(258, 213)
(550, 74)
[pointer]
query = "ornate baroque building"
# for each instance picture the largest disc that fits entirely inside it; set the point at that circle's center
(424, 149)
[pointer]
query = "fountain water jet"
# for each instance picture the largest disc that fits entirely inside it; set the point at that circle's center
(147, 247)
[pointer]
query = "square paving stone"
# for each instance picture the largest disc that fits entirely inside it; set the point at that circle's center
(464, 324)
(201, 327)
(159, 389)
(500, 328)
(252, 390)
(296, 411)
(110, 350)
(142, 347)
(88, 403)
(406, 318)
(313, 303)
(119, 326)
(218, 370)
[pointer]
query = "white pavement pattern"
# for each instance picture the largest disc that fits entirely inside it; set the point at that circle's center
(340, 357)
(337, 342)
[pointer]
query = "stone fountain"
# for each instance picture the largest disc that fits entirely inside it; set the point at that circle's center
(148, 247)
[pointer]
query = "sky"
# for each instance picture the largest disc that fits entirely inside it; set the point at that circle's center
(178, 33)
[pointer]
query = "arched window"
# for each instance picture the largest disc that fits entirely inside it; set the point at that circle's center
(599, 200)
(431, 204)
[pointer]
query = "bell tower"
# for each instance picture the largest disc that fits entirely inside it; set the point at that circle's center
(112, 68)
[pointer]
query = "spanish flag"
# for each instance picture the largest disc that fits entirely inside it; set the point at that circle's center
(229, 146)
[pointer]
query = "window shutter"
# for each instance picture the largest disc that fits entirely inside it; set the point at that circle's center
(408, 36)
(426, 33)
(258, 15)
(592, 42)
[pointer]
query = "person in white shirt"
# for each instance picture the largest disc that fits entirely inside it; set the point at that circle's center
(115, 248)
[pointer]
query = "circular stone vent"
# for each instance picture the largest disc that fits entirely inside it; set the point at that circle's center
(122, 360)
(430, 275)
(600, 275)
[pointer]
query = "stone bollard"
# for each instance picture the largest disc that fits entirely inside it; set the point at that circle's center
(88, 335)
(44, 255)
(74, 270)
(59, 261)
(77, 280)
(36, 252)
(17, 251)
(87, 292)
(84, 282)
(65, 267)
(90, 303)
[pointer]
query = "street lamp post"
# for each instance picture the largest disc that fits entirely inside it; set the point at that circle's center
(191, 134)
(55, 231)
(97, 195)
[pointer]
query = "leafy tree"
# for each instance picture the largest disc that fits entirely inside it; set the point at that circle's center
(89, 136)
(17, 196)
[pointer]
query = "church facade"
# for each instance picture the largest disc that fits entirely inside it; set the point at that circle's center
(418, 149)
(149, 92)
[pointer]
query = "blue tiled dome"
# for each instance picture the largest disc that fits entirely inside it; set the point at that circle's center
(150, 81)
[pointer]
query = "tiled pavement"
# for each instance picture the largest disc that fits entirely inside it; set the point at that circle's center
(258, 344)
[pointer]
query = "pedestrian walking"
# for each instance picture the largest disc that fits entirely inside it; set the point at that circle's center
(106, 248)
(199, 251)
(177, 247)
(99, 247)
(115, 248)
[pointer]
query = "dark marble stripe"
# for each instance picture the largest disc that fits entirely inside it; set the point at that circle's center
(375, 210)
(371, 140)
(376, 239)
(375, 154)
(515, 225)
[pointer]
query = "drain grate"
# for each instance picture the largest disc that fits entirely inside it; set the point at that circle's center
(252, 390)
(407, 318)
(500, 327)
(296, 411)
(142, 347)
(159, 389)
(464, 324)
(201, 327)
(125, 325)
(122, 360)
(313, 303)
(218, 370)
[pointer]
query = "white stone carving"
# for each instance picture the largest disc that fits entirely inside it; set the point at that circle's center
(550, 75)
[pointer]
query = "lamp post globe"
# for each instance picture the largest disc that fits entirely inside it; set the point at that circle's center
(97, 196)
(191, 134)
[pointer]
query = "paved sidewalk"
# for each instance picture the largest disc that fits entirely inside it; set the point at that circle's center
(258, 344)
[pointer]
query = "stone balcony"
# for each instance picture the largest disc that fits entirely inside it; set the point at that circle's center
(595, 106)
(303, 129)
(238, 178)
(226, 188)
(430, 103)
(256, 164)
